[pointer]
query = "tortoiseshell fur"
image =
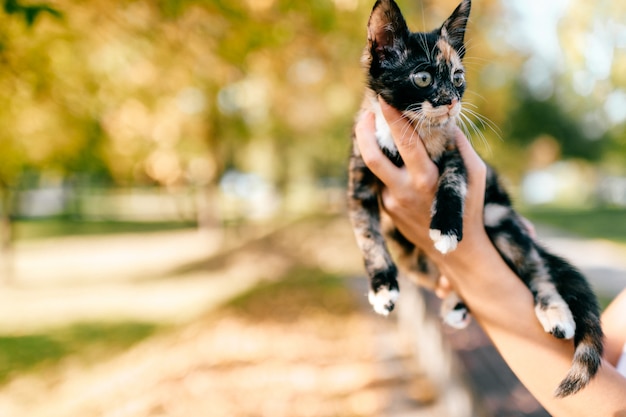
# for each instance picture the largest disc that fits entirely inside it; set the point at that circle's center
(421, 74)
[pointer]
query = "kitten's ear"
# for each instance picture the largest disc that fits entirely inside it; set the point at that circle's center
(386, 30)
(453, 29)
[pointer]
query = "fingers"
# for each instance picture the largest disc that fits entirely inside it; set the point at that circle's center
(473, 162)
(477, 174)
(407, 141)
(443, 288)
(530, 228)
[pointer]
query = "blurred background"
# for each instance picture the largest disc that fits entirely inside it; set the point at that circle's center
(172, 180)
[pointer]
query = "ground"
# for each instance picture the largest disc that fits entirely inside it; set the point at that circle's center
(263, 322)
(253, 324)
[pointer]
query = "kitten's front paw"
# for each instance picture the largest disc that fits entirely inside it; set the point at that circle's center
(383, 300)
(557, 320)
(444, 243)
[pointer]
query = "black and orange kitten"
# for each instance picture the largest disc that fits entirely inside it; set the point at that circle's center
(422, 76)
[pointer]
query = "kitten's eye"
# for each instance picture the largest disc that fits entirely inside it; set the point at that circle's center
(422, 79)
(458, 79)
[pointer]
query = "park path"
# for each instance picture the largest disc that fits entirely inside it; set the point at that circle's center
(160, 275)
(157, 276)
(166, 277)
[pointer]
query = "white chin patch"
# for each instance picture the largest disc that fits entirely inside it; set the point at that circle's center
(444, 243)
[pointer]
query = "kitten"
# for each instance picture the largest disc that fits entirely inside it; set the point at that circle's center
(422, 75)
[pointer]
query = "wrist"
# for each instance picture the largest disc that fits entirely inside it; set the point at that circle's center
(473, 254)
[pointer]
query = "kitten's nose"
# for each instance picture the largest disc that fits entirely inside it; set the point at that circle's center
(448, 101)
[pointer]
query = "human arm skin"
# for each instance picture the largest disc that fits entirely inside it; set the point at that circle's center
(614, 324)
(497, 298)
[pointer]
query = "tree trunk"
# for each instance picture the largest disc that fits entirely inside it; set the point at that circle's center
(6, 237)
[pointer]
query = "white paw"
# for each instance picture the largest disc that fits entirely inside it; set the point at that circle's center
(443, 243)
(458, 319)
(557, 320)
(383, 300)
(453, 314)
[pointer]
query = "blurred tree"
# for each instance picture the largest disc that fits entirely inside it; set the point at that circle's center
(29, 12)
(12, 157)
(530, 118)
(571, 83)
(175, 92)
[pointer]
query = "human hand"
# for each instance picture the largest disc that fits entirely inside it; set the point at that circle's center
(410, 190)
(498, 299)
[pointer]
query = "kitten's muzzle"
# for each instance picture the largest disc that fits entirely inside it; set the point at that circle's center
(443, 113)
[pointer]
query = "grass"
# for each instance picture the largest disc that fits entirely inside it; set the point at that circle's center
(85, 341)
(301, 292)
(56, 227)
(606, 223)
(604, 301)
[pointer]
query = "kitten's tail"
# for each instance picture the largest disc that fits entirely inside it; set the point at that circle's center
(587, 359)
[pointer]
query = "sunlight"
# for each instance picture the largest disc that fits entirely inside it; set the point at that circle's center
(260, 5)
(346, 4)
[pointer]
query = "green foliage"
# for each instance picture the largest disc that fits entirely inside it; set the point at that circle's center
(85, 341)
(141, 92)
(599, 223)
(29, 12)
(531, 118)
(56, 227)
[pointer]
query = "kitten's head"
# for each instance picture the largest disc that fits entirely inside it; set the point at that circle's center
(420, 74)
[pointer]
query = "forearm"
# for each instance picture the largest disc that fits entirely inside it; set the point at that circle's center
(498, 299)
(614, 324)
(504, 308)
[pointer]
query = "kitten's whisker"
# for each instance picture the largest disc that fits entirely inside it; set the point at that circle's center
(463, 123)
(432, 53)
(409, 115)
(466, 107)
(415, 115)
(476, 94)
(479, 132)
(465, 120)
(485, 122)
(468, 46)
(422, 38)
(467, 103)
(480, 59)
(418, 121)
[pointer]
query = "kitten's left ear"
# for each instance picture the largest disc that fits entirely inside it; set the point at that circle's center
(453, 29)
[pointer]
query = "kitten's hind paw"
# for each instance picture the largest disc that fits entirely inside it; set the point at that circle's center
(457, 319)
(383, 300)
(557, 320)
(444, 243)
(454, 312)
